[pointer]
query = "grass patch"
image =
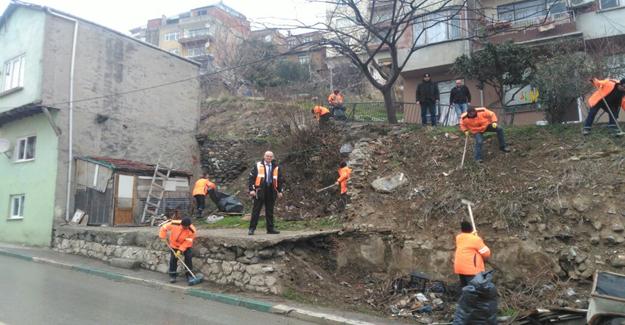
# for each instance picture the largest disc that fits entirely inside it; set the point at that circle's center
(293, 295)
(236, 222)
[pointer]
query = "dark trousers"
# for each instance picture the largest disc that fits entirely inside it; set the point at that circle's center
(465, 279)
(338, 112)
(343, 199)
(592, 113)
(266, 197)
(173, 263)
(479, 141)
(324, 120)
(200, 203)
(425, 108)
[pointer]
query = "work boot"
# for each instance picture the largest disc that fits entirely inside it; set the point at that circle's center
(273, 232)
(585, 131)
(172, 279)
(250, 232)
(479, 161)
(505, 149)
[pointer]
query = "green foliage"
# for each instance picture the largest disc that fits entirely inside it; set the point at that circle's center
(498, 65)
(560, 80)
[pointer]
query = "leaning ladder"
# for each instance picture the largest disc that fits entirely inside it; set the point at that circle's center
(156, 192)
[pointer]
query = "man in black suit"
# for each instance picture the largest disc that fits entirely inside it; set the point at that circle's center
(265, 184)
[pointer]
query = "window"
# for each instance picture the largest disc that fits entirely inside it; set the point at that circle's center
(196, 51)
(13, 73)
(531, 11)
(174, 51)
(304, 59)
(173, 36)
(17, 206)
(607, 4)
(25, 150)
(202, 12)
(438, 27)
(196, 32)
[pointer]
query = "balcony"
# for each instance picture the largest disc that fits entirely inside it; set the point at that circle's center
(197, 38)
(532, 29)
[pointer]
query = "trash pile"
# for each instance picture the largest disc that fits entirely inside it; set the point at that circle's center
(417, 296)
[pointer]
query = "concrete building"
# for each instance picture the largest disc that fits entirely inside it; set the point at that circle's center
(72, 88)
(206, 34)
(303, 49)
(531, 22)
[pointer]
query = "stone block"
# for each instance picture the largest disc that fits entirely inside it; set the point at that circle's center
(125, 263)
(257, 280)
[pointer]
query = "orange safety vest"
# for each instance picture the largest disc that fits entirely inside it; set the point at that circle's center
(335, 99)
(344, 175)
(478, 124)
(180, 238)
(260, 176)
(470, 254)
(202, 186)
(320, 111)
(604, 88)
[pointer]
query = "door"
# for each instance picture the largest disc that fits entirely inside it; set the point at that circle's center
(124, 199)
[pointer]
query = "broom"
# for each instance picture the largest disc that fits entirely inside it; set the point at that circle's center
(196, 279)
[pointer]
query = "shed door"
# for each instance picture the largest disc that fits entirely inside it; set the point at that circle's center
(124, 199)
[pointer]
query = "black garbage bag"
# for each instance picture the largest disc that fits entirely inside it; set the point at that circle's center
(226, 202)
(478, 302)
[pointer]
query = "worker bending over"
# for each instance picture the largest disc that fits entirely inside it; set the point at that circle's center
(202, 187)
(322, 115)
(337, 105)
(610, 92)
(181, 235)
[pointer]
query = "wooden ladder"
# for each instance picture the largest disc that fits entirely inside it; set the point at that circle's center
(155, 193)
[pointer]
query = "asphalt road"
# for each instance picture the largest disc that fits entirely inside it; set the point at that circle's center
(33, 293)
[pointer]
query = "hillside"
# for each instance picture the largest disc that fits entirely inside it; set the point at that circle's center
(552, 210)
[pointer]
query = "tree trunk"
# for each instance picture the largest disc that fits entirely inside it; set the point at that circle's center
(388, 104)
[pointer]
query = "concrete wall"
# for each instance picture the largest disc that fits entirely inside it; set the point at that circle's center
(599, 24)
(140, 126)
(35, 179)
(23, 34)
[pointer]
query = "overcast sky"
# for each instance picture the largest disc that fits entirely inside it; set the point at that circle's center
(123, 15)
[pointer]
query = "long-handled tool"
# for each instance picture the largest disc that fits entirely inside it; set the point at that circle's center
(620, 131)
(326, 188)
(469, 204)
(464, 153)
(196, 279)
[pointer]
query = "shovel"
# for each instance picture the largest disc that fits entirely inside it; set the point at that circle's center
(196, 279)
(326, 188)
(620, 131)
(464, 153)
(469, 204)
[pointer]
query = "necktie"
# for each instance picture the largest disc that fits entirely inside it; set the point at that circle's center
(268, 176)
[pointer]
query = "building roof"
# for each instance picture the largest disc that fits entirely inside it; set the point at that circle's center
(124, 165)
(21, 112)
(14, 5)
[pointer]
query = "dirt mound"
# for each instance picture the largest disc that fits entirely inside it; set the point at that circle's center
(552, 210)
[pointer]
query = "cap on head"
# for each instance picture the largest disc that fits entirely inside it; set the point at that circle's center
(427, 75)
(622, 82)
(186, 221)
(466, 227)
(343, 164)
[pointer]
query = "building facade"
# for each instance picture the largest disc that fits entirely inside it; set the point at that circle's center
(207, 34)
(73, 88)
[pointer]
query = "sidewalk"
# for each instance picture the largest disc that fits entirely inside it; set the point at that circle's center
(258, 302)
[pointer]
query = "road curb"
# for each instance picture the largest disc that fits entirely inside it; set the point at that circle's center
(253, 304)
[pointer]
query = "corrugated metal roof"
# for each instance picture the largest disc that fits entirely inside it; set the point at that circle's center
(129, 165)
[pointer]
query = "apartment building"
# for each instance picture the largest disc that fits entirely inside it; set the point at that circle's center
(532, 22)
(206, 34)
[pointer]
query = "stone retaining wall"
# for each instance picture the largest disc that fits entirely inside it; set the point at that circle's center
(254, 269)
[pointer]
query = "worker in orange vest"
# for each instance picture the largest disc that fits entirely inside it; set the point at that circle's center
(470, 254)
(322, 115)
(336, 102)
(265, 184)
(345, 174)
(477, 121)
(608, 91)
(181, 235)
(202, 187)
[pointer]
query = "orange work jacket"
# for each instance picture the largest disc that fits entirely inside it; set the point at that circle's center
(202, 186)
(470, 254)
(180, 238)
(604, 88)
(344, 174)
(335, 99)
(260, 176)
(478, 124)
(320, 111)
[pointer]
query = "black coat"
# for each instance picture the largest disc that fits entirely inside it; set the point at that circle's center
(251, 180)
(427, 91)
(459, 95)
